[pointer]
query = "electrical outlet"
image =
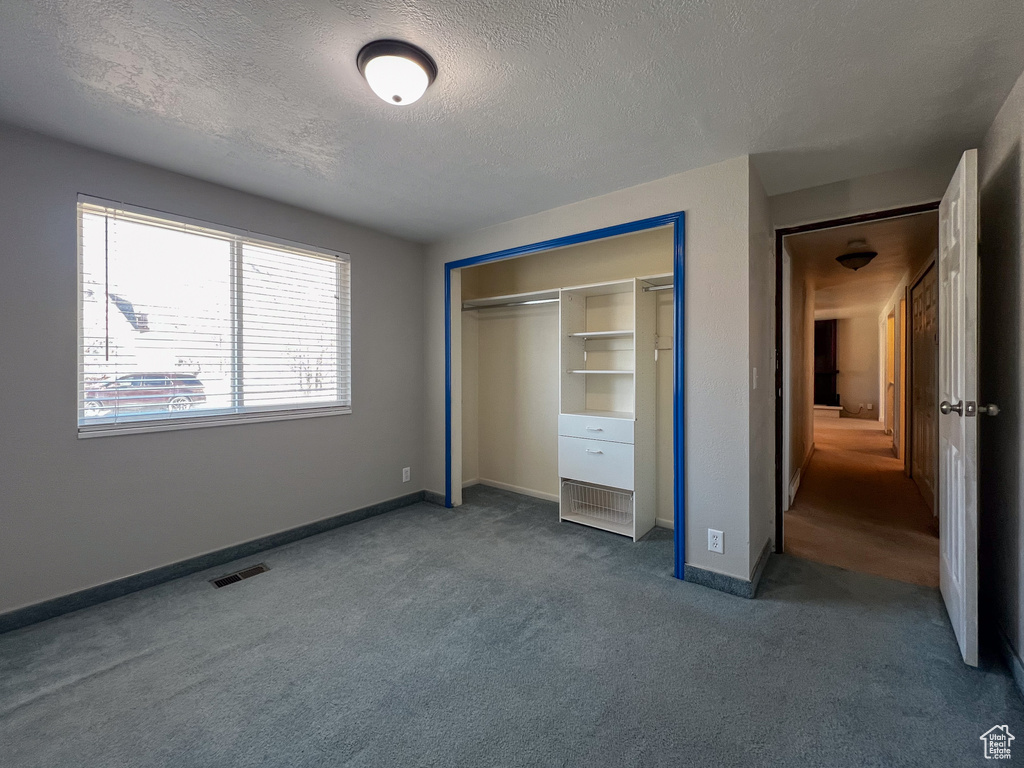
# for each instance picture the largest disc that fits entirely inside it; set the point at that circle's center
(406, 474)
(715, 541)
(871, 406)
(755, 378)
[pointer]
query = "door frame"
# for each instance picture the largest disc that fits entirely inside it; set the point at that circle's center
(675, 220)
(781, 482)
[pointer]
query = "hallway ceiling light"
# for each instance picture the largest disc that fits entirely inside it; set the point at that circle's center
(397, 72)
(858, 256)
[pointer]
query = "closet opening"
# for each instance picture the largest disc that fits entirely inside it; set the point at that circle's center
(565, 377)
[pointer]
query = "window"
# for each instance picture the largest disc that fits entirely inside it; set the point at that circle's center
(186, 324)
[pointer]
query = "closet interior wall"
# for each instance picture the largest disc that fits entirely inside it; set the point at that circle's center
(510, 362)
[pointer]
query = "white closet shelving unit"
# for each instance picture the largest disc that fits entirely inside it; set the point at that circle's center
(606, 440)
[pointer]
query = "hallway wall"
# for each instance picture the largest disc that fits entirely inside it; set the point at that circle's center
(799, 386)
(858, 378)
(893, 306)
(1001, 251)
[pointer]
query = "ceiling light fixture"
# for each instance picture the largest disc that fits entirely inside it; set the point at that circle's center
(858, 257)
(397, 72)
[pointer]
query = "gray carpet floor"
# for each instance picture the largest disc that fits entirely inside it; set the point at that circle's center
(492, 635)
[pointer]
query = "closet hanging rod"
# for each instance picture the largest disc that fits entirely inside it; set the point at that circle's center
(658, 288)
(467, 307)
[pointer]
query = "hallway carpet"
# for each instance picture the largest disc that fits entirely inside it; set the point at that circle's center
(492, 635)
(857, 510)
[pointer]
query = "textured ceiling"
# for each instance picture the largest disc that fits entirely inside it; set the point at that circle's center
(538, 102)
(903, 245)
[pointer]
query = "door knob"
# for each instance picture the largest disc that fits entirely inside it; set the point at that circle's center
(947, 408)
(990, 409)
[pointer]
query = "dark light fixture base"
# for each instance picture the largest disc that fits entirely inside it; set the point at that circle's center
(398, 48)
(856, 260)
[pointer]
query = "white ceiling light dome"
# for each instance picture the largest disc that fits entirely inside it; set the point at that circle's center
(397, 72)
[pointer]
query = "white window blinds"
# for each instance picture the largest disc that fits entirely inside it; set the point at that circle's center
(186, 324)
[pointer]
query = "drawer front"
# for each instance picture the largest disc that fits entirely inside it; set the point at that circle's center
(596, 461)
(596, 427)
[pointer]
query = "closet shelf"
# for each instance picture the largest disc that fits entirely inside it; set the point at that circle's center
(511, 300)
(602, 335)
(626, 415)
(606, 458)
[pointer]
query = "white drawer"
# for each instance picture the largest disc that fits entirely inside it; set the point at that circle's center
(596, 427)
(596, 461)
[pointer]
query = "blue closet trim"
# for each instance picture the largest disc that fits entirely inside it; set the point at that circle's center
(678, 222)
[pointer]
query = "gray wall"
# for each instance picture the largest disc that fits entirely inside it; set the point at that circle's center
(76, 513)
(1001, 347)
(877, 192)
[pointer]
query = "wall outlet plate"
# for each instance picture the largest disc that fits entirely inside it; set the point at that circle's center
(716, 541)
(406, 474)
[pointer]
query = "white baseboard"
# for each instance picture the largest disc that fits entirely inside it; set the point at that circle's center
(794, 486)
(518, 489)
(807, 461)
(467, 483)
(665, 522)
(794, 483)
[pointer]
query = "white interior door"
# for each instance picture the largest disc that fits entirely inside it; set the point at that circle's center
(958, 391)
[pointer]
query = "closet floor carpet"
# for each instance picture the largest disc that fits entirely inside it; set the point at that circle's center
(492, 635)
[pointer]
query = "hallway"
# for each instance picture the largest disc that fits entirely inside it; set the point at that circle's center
(857, 510)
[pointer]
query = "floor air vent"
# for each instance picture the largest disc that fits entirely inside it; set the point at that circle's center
(245, 573)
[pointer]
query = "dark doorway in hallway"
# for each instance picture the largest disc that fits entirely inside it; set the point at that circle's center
(826, 362)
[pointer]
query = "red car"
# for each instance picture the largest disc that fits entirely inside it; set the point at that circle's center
(143, 392)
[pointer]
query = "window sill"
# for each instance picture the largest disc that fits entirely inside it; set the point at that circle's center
(211, 420)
